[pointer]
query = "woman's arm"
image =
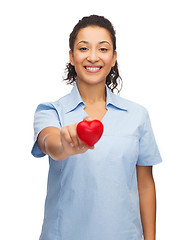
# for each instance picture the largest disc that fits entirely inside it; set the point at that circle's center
(61, 143)
(147, 197)
(49, 142)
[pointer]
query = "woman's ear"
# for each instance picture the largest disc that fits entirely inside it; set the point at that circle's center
(114, 59)
(71, 57)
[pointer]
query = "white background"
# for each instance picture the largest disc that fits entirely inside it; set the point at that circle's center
(152, 46)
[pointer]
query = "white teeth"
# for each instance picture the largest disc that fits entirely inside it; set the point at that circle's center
(93, 68)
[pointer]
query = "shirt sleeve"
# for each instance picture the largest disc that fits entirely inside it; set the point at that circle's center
(148, 150)
(46, 115)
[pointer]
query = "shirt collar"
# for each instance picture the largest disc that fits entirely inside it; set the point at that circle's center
(74, 99)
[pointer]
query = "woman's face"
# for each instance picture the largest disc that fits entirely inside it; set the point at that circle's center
(93, 55)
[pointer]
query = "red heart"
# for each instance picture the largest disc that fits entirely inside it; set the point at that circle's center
(90, 131)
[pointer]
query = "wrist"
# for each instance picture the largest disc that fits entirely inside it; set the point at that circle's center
(54, 148)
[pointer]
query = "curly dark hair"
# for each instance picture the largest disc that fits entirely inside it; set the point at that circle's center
(100, 21)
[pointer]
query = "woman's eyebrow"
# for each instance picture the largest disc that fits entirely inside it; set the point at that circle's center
(83, 42)
(104, 42)
(101, 42)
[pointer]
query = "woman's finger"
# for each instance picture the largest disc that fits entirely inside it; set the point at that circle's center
(65, 135)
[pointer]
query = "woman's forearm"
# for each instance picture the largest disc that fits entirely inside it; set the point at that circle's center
(62, 143)
(49, 142)
(53, 147)
(148, 211)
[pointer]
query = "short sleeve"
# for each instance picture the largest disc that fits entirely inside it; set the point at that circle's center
(148, 150)
(46, 115)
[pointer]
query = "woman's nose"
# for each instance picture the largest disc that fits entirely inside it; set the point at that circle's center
(93, 56)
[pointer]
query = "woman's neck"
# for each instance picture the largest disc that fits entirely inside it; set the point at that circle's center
(92, 93)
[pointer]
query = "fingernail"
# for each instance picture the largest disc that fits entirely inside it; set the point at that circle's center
(89, 118)
(72, 145)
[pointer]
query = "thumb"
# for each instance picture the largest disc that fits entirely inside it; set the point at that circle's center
(88, 118)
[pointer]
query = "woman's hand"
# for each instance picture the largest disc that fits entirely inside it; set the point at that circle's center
(70, 141)
(60, 144)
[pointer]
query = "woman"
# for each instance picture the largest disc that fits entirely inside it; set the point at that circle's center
(107, 191)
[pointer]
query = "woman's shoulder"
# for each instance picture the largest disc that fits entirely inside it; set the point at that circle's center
(54, 103)
(131, 105)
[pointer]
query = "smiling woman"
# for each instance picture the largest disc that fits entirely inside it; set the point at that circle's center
(105, 191)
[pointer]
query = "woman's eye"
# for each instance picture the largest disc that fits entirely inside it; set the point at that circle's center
(103, 49)
(83, 48)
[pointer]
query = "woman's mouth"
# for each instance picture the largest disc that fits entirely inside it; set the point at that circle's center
(92, 69)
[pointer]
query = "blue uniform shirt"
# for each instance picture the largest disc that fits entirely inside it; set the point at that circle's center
(94, 195)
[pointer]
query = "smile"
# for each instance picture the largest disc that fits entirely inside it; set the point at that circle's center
(92, 69)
